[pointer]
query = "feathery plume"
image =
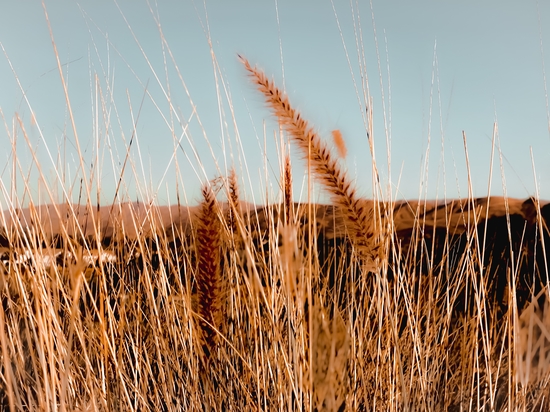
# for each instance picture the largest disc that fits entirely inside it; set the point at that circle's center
(209, 272)
(341, 189)
(287, 190)
(234, 202)
(339, 143)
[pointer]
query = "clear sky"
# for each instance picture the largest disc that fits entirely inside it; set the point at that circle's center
(435, 68)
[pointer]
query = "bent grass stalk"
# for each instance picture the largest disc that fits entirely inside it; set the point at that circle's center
(340, 188)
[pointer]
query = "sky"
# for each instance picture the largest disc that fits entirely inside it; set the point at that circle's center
(159, 103)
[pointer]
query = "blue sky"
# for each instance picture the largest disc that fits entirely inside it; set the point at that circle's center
(441, 68)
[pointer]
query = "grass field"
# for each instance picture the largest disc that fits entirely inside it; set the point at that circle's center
(355, 305)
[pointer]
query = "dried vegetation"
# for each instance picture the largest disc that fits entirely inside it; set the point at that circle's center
(359, 305)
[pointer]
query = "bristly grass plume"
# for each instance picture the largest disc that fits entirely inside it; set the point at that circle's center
(359, 219)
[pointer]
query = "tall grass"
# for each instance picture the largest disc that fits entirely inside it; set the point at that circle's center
(357, 305)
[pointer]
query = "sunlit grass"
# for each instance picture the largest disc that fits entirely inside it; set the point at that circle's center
(358, 305)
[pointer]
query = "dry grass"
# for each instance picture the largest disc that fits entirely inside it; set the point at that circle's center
(139, 307)
(359, 220)
(339, 143)
(210, 287)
